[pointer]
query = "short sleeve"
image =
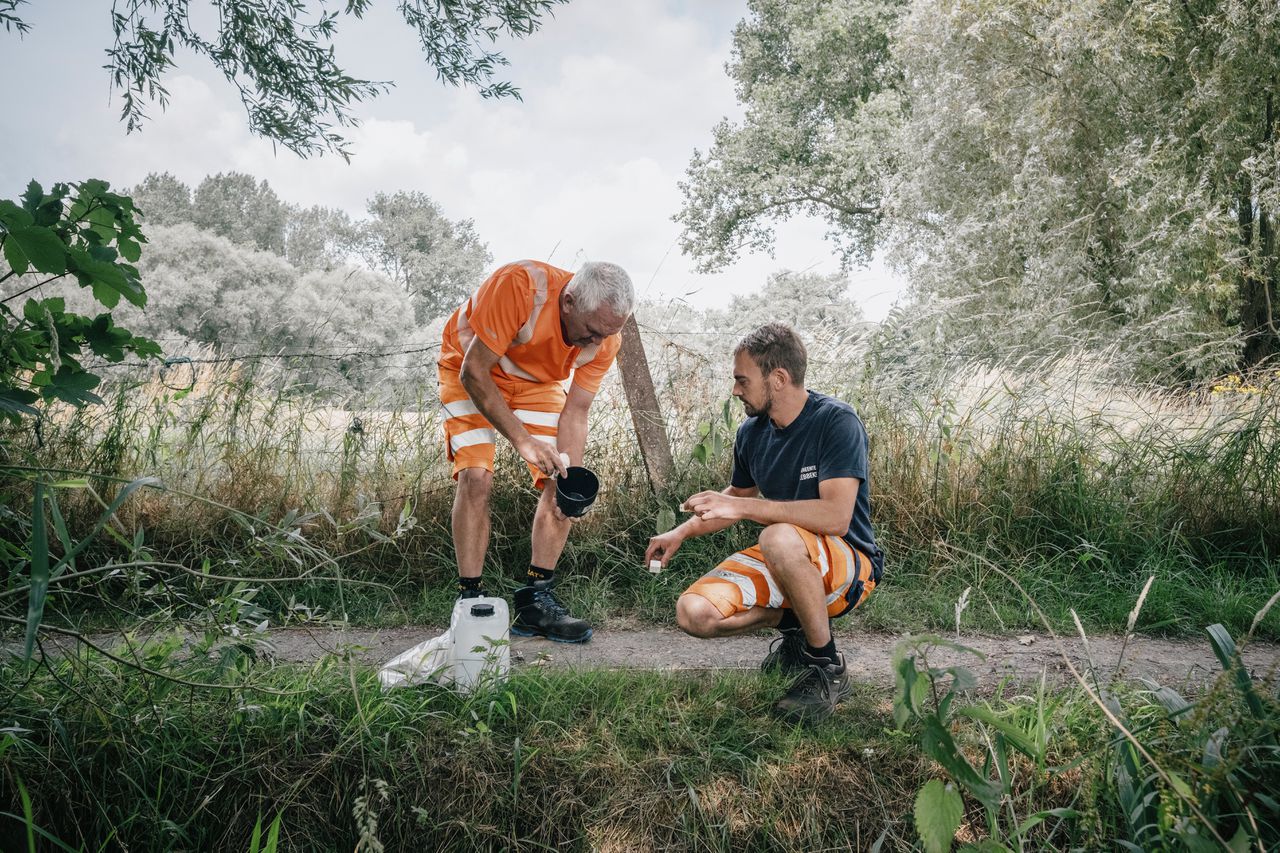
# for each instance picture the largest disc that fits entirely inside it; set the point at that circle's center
(500, 307)
(741, 478)
(842, 451)
(590, 375)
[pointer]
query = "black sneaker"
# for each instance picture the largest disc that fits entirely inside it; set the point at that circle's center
(540, 614)
(814, 696)
(784, 653)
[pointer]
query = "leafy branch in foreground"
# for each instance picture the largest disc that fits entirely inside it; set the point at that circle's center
(282, 61)
(80, 230)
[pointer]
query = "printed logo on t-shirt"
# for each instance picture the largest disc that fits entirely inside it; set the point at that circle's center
(809, 472)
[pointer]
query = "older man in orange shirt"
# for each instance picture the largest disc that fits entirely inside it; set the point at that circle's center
(503, 363)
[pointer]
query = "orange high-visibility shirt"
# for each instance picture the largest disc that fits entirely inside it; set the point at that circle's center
(516, 313)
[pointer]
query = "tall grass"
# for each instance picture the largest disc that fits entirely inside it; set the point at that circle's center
(1080, 487)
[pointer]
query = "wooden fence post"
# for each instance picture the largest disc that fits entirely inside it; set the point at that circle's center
(646, 417)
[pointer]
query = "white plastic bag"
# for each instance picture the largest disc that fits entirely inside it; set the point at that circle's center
(430, 660)
(427, 661)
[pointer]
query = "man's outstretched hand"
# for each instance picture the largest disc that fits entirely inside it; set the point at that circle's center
(663, 547)
(715, 505)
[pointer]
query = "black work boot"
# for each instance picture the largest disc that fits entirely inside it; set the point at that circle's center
(785, 650)
(815, 694)
(784, 653)
(540, 614)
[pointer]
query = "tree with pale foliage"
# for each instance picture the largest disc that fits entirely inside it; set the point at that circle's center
(355, 317)
(242, 209)
(815, 304)
(318, 237)
(436, 260)
(1052, 177)
(820, 91)
(162, 199)
(208, 290)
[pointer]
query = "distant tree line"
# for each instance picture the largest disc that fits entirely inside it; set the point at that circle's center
(406, 238)
(230, 264)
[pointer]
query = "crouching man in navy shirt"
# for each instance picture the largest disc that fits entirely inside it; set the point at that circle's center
(799, 469)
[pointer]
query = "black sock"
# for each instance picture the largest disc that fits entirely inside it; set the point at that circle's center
(828, 651)
(469, 584)
(536, 574)
(788, 622)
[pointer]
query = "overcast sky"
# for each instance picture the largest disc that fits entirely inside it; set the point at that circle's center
(617, 95)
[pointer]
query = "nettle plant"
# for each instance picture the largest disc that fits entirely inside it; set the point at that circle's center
(79, 231)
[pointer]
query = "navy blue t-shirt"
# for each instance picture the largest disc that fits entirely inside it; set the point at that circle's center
(826, 441)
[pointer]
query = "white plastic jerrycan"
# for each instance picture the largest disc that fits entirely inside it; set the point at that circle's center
(481, 651)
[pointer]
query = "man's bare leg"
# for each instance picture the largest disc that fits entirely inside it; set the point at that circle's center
(549, 532)
(539, 613)
(471, 520)
(788, 560)
(700, 618)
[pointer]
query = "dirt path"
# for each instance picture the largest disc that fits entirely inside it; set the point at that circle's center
(1176, 663)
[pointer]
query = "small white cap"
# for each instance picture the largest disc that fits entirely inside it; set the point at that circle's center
(655, 566)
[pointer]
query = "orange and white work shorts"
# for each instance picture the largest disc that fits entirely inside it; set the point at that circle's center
(470, 438)
(743, 581)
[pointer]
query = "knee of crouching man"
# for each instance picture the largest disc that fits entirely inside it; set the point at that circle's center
(778, 539)
(696, 616)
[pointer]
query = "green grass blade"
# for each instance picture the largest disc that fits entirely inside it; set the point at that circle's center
(255, 840)
(273, 835)
(1225, 648)
(64, 536)
(39, 570)
(27, 818)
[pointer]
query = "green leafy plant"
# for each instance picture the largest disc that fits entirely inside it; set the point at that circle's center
(714, 435)
(82, 231)
(45, 568)
(1222, 764)
(926, 696)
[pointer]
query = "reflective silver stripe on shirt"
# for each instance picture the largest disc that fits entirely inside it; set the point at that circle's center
(539, 278)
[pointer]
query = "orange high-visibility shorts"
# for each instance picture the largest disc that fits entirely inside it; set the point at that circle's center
(469, 437)
(743, 581)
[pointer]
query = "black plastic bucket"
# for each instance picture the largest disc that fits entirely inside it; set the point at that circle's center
(576, 491)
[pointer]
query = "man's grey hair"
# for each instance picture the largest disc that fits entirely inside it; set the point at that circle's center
(598, 283)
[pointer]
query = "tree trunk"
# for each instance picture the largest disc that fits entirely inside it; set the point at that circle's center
(646, 416)
(1259, 292)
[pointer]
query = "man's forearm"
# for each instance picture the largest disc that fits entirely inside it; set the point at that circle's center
(817, 516)
(488, 399)
(694, 527)
(571, 434)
